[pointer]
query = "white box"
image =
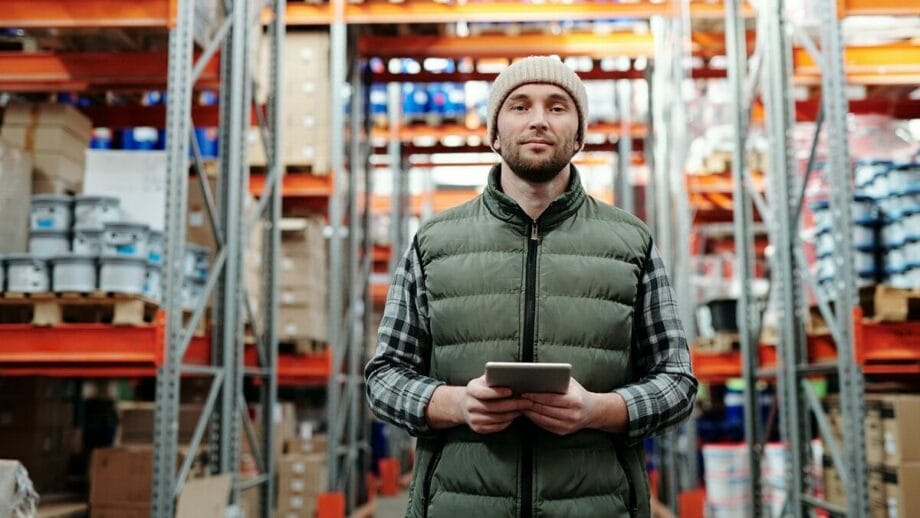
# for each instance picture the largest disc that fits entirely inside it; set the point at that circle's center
(137, 178)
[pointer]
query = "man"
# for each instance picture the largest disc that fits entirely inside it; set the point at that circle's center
(531, 270)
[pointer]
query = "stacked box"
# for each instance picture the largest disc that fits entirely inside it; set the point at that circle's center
(305, 99)
(303, 279)
(301, 478)
(57, 136)
(15, 198)
(136, 422)
(121, 480)
(36, 428)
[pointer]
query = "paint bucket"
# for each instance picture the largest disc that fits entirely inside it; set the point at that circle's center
(51, 212)
(125, 239)
(95, 211)
(123, 274)
(47, 243)
(26, 273)
(74, 272)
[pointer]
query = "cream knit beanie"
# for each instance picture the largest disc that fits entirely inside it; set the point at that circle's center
(537, 69)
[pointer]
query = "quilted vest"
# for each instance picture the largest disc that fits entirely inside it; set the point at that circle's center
(502, 287)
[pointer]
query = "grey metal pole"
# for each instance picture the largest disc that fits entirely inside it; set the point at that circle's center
(744, 246)
(780, 118)
(236, 93)
(623, 185)
(271, 251)
(357, 168)
(394, 149)
(841, 196)
(178, 116)
(338, 43)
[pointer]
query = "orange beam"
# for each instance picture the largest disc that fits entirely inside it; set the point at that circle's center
(500, 46)
(891, 64)
(295, 185)
(35, 14)
(416, 11)
(50, 71)
(880, 7)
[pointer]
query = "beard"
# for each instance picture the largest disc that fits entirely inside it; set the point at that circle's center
(533, 167)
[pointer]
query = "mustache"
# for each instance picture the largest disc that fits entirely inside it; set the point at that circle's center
(537, 136)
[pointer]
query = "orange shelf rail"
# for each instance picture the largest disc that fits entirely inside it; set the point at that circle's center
(297, 185)
(890, 64)
(416, 11)
(89, 350)
(878, 7)
(78, 71)
(304, 370)
(35, 14)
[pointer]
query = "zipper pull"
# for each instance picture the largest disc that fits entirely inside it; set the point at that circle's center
(534, 232)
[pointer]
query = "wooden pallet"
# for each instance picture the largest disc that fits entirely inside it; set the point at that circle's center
(302, 346)
(52, 309)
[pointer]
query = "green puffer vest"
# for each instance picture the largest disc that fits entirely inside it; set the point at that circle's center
(501, 290)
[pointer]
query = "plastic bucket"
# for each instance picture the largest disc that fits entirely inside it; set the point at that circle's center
(123, 274)
(47, 243)
(125, 239)
(27, 274)
(51, 212)
(95, 211)
(74, 272)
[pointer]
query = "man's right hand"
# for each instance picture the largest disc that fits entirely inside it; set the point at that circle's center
(483, 408)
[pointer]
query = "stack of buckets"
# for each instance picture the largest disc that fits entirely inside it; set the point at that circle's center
(727, 479)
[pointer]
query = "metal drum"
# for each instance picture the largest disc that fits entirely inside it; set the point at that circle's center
(51, 212)
(96, 211)
(47, 243)
(125, 239)
(27, 273)
(123, 274)
(74, 272)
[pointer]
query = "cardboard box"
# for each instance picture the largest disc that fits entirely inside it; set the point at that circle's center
(49, 115)
(901, 486)
(300, 479)
(15, 198)
(31, 415)
(875, 442)
(141, 510)
(57, 140)
(136, 422)
(205, 497)
(137, 178)
(61, 167)
(121, 476)
(900, 420)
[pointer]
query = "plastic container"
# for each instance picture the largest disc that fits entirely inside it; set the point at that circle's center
(904, 178)
(868, 170)
(197, 261)
(895, 259)
(122, 274)
(51, 212)
(153, 281)
(125, 239)
(46, 243)
(74, 272)
(893, 233)
(864, 236)
(192, 290)
(26, 273)
(824, 244)
(87, 241)
(155, 246)
(95, 211)
(863, 210)
(864, 263)
(724, 460)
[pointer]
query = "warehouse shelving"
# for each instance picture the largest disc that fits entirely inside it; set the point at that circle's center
(168, 348)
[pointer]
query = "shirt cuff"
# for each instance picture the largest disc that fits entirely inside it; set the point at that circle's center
(638, 425)
(419, 424)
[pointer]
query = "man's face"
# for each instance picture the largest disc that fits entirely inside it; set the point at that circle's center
(537, 130)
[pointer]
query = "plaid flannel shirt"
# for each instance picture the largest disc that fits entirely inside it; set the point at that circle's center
(398, 391)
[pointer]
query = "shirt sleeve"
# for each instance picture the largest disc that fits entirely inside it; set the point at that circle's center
(398, 391)
(666, 389)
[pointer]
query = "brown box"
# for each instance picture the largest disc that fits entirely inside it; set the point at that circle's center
(136, 422)
(901, 489)
(199, 226)
(15, 198)
(878, 501)
(875, 451)
(141, 510)
(49, 114)
(900, 420)
(121, 476)
(300, 479)
(57, 140)
(834, 491)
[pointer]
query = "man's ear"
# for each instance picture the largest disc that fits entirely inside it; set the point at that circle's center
(496, 145)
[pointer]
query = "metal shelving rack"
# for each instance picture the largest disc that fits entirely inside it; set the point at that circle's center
(225, 411)
(798, 401)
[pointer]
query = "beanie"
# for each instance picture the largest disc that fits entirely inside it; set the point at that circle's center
(537, 69)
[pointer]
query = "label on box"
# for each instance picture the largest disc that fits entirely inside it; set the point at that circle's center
(892, 507)
(196, 219)
(308, 87)
(299, 467)
(297, 485)
(296, 502)
(891, 445)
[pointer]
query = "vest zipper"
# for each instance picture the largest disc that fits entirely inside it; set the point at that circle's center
(426, 483)
(527, 355)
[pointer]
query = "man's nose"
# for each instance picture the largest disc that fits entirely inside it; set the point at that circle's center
(538, 118)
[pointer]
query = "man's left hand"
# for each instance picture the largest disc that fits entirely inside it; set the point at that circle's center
(563, 414)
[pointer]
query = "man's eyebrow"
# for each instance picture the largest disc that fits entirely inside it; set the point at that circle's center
(560, 97)
(519, 97)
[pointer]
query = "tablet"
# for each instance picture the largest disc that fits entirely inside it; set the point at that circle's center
(522, 377)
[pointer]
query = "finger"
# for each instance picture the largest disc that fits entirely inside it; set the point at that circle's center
(506, 405)
(479, 390)
(492, 428)
(549, 424)
(556, 400)
(501, 417)
(564, 414)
